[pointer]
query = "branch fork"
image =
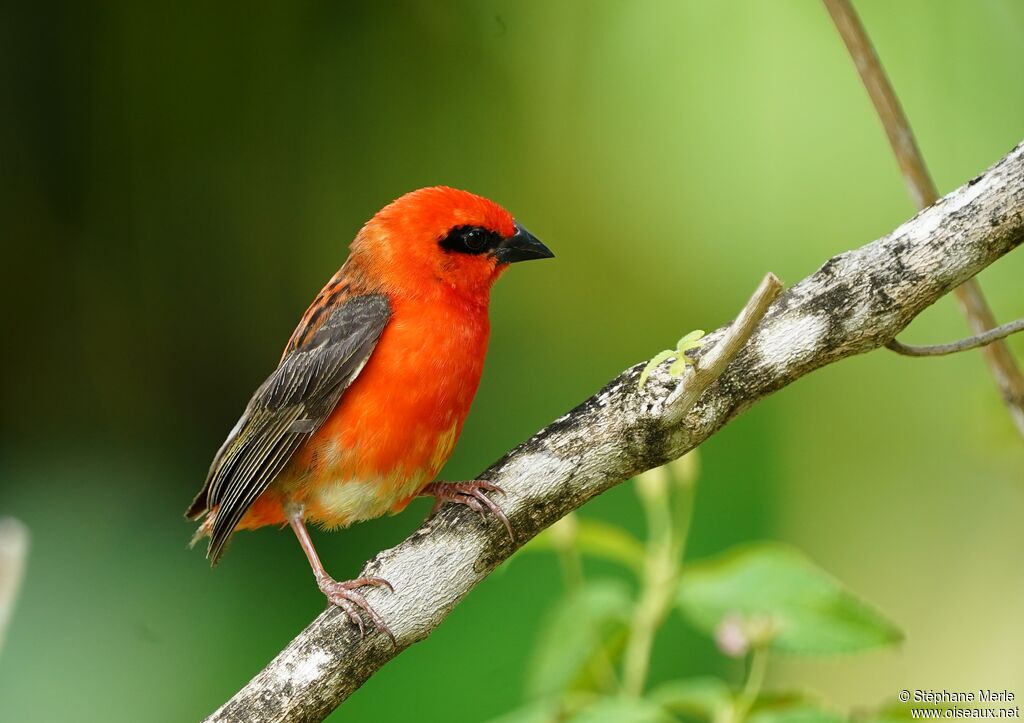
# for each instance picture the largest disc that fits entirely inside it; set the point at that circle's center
(710, 365)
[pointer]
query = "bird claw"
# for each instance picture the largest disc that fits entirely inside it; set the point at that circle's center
(472, 495)
(346, 596)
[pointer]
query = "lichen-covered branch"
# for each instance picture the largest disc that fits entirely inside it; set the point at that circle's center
(854, 303)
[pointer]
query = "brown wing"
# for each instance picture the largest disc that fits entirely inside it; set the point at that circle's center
(286, 410)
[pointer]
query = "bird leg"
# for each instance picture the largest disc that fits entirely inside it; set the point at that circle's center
(472, 495)
(343, 594)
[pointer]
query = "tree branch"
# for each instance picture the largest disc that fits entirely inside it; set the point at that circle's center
(971, 342)
(923, 192)
(856, 302)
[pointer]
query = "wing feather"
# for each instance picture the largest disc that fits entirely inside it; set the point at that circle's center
(286, 410)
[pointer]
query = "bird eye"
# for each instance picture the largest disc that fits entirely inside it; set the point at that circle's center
(474, 238)
(468, 240)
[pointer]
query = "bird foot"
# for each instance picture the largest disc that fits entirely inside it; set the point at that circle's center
(346, 596)
(472, 495)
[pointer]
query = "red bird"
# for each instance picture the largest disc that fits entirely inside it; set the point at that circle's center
(374, 385)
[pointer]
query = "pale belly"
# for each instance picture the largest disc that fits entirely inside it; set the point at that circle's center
(341, 494)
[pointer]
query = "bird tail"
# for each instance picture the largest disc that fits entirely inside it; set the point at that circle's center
(199, 506)
(205, 528)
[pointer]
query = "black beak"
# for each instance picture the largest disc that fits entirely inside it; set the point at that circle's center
(521, 246)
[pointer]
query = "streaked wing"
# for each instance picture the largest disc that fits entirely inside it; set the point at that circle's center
(287, 409)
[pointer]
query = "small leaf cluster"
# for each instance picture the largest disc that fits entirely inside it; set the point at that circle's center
(685, 344)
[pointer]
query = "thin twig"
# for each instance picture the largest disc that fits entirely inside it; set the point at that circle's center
(712, 364)
(667, 501)
(656, 582)
(922, 189)
(756, 669)
(971, 342)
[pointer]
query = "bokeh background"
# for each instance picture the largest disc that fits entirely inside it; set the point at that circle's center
(179, 179)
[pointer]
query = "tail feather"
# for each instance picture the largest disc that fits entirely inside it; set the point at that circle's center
(199, 506)
(205, 527)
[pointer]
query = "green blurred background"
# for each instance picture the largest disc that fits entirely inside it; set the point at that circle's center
(179, 179)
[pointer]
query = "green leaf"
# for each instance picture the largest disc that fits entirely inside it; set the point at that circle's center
(691, 340)
(597, 539)
(610, 542)
(892, 714)
(623, 710)
(543, 711)
(798, 714)
(688, 342)
(679, 365)
(655, 361)
(778, 589)
(581, 627)
(708, 698)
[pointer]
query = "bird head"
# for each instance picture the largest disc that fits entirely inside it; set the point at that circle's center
(443, 238)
